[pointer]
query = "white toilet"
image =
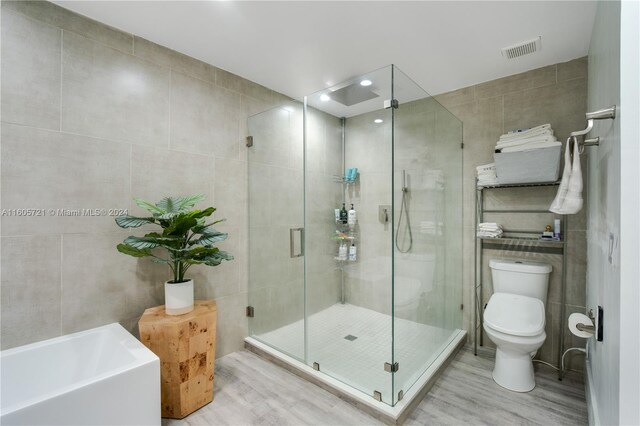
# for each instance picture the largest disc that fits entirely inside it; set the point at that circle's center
(514, 320)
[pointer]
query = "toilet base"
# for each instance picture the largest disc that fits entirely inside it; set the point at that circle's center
(514, 371)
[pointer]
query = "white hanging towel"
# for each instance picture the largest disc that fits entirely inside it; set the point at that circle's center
(573, 199)
(569, 197)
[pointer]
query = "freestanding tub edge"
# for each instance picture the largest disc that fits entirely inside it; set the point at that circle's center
(102, 376)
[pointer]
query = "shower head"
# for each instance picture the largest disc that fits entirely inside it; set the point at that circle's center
(353, 94)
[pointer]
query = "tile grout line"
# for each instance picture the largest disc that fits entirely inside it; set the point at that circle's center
(170, 103)
(61, 277)
(61, 71)
(130, 179)
(503, 127)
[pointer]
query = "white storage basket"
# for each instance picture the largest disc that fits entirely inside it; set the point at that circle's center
(537, 165)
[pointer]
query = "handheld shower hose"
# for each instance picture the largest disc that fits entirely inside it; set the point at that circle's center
(405, 210)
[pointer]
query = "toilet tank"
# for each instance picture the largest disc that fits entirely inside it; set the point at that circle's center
(520, 277)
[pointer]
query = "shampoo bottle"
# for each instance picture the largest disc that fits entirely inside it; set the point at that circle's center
(352, 217)
(342, 251)
(352, 252)
(343, 214)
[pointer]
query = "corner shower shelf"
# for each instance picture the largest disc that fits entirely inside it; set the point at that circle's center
(343, 180)
(533, 240)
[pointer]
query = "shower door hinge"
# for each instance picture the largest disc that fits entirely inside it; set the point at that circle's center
(377, 395)
(461, 145)
(391, 368)
(316, 366)
(250, 311)
(391, 103)
(249, 141)
(400, 395)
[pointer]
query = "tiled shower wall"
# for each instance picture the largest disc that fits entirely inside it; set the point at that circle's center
(555, 94)
(92, 117)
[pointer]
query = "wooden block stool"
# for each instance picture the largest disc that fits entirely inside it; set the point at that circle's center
(186, 346)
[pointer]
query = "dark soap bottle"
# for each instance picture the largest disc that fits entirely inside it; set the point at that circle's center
(343, 214)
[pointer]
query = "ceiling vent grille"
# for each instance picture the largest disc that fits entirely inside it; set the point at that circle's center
(522, 49)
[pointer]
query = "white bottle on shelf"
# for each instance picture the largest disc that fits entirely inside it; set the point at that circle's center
(352, 217)
(352, 252)
(342, 251)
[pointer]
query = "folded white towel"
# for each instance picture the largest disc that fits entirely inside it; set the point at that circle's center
(487, 175)
(489, 224)
(531, 146)
(489, 229)
(491, 167)
(534, 130)
(536, 134)
(489, 234)
(517, 142)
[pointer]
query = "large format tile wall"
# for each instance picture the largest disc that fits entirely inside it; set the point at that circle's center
(555, 94)
(92, 117)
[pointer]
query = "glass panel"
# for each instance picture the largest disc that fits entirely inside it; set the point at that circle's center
(349, 301)
(427, 264)
(276, 199)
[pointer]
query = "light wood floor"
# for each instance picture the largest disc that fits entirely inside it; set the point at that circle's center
(252, 391)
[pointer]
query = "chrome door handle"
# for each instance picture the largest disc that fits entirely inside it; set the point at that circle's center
(292, 242)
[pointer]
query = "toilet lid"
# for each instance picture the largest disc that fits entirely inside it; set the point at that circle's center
(514, 314)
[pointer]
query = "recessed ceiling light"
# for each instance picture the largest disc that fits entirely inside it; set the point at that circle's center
(324, 98)
(366, 83)
(377, 120)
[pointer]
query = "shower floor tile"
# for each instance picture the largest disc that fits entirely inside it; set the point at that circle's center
(352, 344)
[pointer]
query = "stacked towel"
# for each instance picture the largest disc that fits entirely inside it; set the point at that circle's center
(487, 175)
(489, 230)
(527, 140)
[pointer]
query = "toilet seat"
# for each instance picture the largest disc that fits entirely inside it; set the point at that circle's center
(515, 315)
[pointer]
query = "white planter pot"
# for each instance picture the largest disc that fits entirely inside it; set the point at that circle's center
(178, 297)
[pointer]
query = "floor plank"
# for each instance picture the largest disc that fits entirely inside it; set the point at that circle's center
(252, 391)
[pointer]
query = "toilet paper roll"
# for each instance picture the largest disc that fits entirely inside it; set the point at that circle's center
(577, 318)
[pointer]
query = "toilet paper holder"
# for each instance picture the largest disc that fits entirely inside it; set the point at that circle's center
(588, 328)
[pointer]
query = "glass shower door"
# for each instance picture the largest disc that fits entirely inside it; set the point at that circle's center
(276, 234)
(427, 263)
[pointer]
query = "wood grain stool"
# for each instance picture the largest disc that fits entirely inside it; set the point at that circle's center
(186, 346)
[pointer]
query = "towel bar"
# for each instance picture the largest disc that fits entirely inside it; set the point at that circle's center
(607, 113)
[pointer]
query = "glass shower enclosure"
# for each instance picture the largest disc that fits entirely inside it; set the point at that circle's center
(355, 232)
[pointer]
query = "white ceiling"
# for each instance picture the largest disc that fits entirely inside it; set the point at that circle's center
(298, 48)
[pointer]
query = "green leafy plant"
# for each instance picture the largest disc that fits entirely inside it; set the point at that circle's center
(186, 238)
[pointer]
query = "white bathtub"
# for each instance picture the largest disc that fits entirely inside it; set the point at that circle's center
(99, 376)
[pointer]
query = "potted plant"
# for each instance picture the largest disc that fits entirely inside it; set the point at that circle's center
(186, 239)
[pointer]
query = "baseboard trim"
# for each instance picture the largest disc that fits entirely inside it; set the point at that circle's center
(592, 401)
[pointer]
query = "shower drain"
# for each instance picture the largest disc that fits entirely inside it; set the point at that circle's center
(350, 337)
